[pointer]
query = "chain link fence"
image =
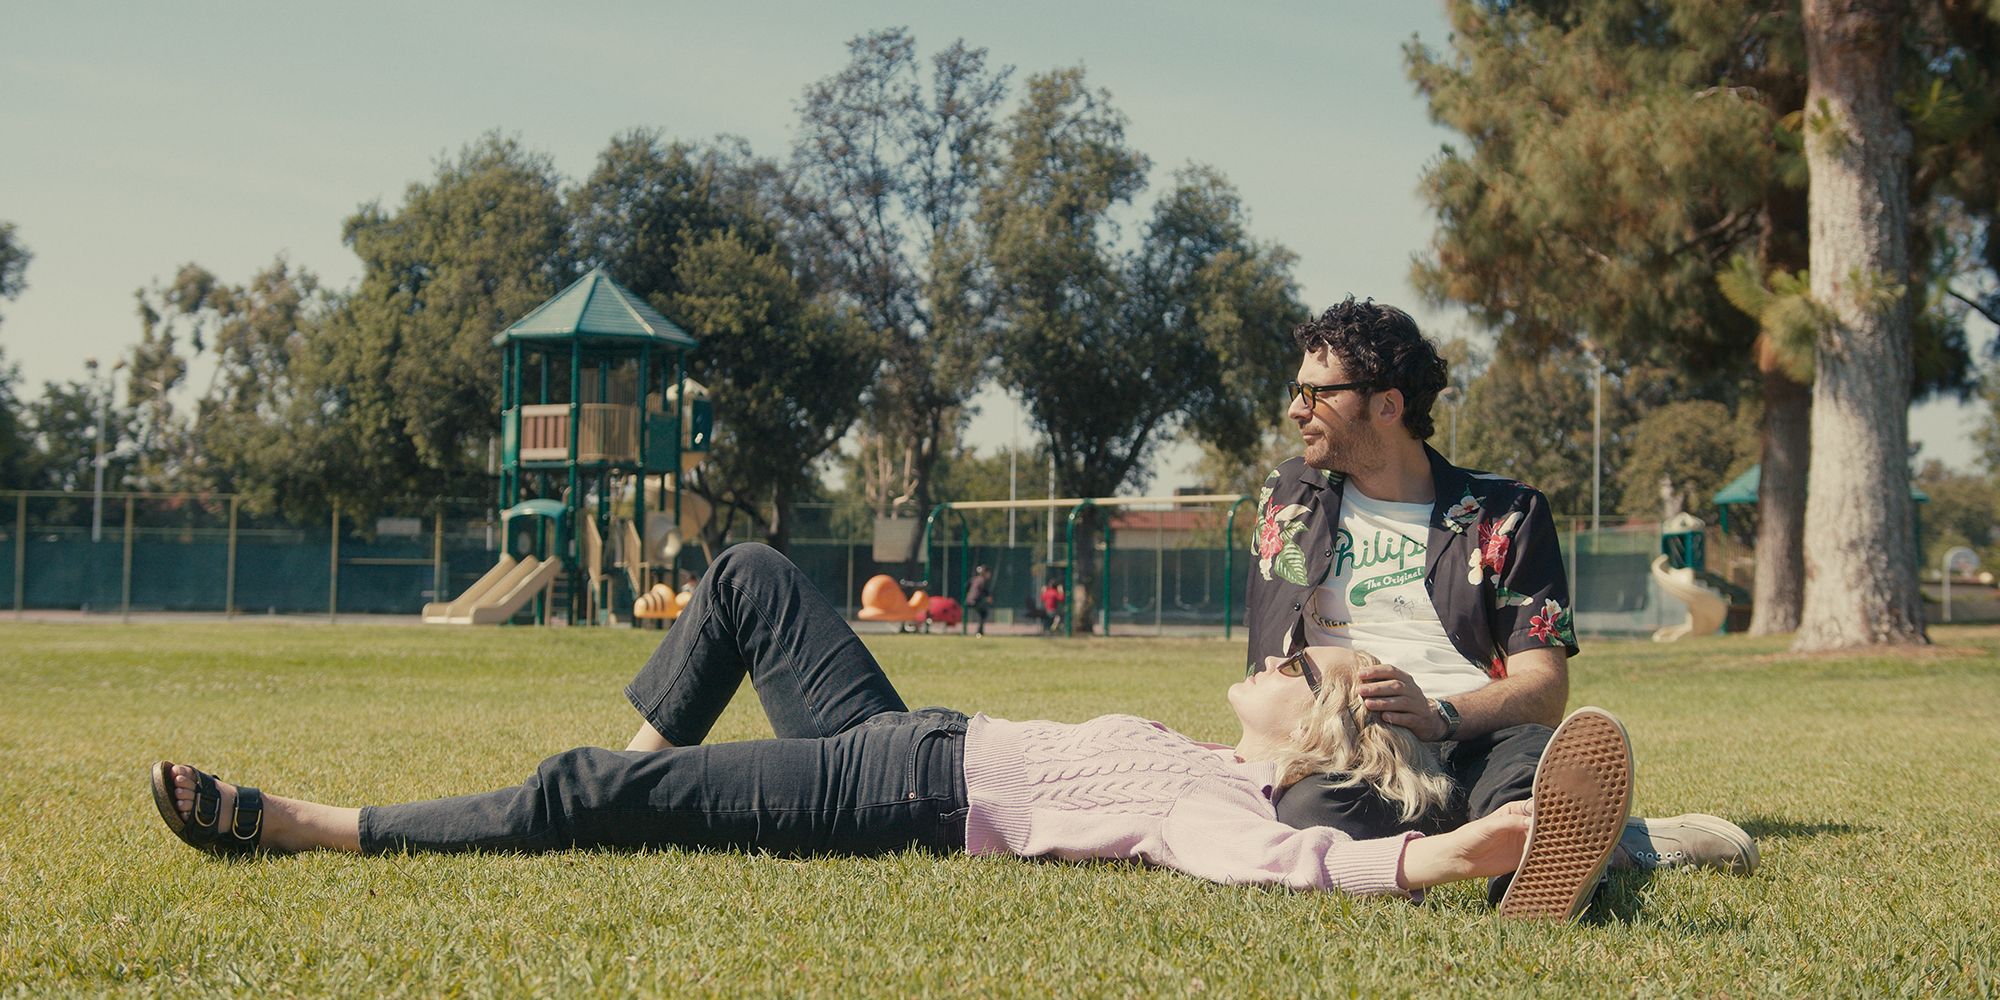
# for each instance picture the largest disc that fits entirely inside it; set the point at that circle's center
(1169, 569)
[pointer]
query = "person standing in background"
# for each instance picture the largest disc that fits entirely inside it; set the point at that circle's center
(979, 596)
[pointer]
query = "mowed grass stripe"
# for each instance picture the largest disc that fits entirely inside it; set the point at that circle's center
(1871, 781)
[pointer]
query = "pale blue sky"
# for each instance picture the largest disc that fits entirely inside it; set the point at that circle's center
(141, 137)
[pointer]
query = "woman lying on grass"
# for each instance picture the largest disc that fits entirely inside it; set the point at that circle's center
(854, 772)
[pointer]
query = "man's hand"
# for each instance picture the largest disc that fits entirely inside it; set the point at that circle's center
(1395, 698)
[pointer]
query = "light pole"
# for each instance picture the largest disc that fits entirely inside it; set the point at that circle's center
(1596, 434)
(103, 388)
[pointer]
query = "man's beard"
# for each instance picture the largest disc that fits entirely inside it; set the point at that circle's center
(1352, 452)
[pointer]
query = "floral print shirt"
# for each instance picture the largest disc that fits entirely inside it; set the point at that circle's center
(1493, 569)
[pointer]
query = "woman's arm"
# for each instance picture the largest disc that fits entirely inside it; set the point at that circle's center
(1485, 847)
(1224, 842)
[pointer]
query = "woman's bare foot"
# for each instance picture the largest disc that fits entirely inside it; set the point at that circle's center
(290, 825)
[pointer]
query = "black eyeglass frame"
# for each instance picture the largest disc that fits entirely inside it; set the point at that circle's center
(1300, 665)
(1312, 392)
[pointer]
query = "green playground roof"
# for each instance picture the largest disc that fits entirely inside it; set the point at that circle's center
(1743, 489)
(596, 308)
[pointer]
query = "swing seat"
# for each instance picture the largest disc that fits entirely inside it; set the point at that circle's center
(883, 601)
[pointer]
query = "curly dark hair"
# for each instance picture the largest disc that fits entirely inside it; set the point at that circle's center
(1381, 345)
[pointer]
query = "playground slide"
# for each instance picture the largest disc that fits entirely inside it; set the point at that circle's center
(503, 602)
(1706, 608)
(440, 612)
(633, 555)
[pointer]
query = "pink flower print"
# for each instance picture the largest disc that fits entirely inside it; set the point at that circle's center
(1270, 537)
(1497, 669)
(1493, 546)
(1543, 627)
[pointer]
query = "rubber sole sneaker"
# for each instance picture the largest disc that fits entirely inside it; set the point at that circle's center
(1690, 840)
(1582, 793)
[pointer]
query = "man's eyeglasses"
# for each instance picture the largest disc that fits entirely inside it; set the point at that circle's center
(1300, 665)
(1294, 390)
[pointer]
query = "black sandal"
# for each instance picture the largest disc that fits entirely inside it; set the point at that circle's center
(201, 828)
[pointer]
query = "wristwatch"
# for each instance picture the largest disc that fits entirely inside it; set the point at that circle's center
(1449, 715)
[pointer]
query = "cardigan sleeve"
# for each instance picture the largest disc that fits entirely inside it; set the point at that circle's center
(1221, 840)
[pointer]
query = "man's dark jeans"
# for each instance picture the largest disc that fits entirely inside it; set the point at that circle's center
(852, 770)
(1487, 772)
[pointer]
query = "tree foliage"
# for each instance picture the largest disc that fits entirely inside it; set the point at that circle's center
(889, 169)
(1691, 448)
(1634, 171)
(1116, 351)
(1964, 509)
(698, 230)
(408, 360)
(784, 371)
(16, 450)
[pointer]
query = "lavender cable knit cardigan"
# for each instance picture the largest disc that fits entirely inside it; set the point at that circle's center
(1120, 786)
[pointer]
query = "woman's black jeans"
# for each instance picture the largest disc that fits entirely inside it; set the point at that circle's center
(851, 772)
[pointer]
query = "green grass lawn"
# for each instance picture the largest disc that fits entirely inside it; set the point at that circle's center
(1872, 784)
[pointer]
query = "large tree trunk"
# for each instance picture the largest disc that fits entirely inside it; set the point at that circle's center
(1861, 572)
(1781, 506)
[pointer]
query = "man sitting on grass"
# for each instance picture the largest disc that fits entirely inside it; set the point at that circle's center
(1452, 578)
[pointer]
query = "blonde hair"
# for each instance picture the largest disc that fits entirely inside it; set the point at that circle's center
(1339, 738)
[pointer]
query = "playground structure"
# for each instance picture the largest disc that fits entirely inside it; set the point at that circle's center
(590, 478)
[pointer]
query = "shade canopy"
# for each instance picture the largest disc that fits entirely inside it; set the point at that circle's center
(1743, 489)
(600, 312)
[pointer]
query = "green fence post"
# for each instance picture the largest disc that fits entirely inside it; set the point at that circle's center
(1104, 579)
(1229, 567)
(229, 575)
(125, 586)
(437, 557)
(20, 553)
(333, 571)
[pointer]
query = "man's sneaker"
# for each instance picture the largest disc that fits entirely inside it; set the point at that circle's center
(1691, 840)
(1583, 790)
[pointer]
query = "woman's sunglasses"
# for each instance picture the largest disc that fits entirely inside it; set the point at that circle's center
(1300, 665)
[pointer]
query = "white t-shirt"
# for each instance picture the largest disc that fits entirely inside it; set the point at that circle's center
(1374, 599)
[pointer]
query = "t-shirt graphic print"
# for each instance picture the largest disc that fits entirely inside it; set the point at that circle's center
(1374, 600)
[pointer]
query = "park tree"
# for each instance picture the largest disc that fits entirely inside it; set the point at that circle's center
(1964, 509)
(1986, 426)
(697, 230)
(784, 370)
(63, 422)
(250, 419)
(650, 199)
(407, 361)
(16, 449)
(1542, 443)
(1112, 351)
(892, 158)
(1680, 454)
(1861, 574)
(1635, 173)
(1620, 155)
